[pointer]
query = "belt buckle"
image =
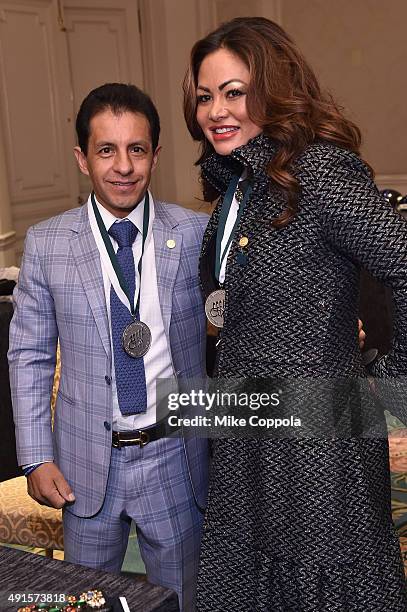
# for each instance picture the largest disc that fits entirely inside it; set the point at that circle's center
(146, 440)
(142, 440)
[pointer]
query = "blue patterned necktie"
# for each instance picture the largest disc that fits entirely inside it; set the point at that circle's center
(130, 374)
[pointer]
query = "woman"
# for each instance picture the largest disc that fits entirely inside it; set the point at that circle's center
(292, 524)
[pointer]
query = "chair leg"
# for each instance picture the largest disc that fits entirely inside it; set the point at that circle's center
(49, 553)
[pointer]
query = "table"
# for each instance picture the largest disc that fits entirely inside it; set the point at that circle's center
(30, 573)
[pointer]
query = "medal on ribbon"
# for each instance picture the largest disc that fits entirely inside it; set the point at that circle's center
(136, 337)
(216, 301)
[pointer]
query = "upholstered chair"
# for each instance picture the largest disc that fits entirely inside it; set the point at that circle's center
(22, 520)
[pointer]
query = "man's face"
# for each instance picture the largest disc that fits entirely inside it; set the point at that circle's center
(120, 160)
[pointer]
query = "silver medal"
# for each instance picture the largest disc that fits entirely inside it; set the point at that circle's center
(215, 307)
(136, 339)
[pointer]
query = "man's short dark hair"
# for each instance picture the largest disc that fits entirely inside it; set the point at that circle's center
(119, 98)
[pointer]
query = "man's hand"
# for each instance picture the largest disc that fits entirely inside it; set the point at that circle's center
(362, 335)
(48, 487)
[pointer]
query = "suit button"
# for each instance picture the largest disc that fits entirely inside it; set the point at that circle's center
(108, 379)
(107, 426)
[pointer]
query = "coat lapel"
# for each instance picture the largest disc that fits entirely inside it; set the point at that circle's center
(87, 259)
(167, 258)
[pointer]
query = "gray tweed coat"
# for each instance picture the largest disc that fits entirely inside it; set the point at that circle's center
(303, 525)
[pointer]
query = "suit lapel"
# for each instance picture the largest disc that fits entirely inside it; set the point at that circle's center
(167, 259)
(87, 259)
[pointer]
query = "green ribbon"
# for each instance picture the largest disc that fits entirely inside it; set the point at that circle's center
(224, 213)
(112, 254)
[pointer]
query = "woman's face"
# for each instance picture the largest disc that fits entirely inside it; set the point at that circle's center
(221, 112)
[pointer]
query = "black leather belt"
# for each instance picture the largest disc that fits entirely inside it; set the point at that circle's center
(141, 437)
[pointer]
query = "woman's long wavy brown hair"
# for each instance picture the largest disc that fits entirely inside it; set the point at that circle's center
(283, 98)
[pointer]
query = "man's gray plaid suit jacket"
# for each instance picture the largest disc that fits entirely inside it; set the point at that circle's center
(60, 294)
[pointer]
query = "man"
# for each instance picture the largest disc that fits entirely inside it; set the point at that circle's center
(80, 283)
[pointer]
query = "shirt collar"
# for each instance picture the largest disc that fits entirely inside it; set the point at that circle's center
(135, 216)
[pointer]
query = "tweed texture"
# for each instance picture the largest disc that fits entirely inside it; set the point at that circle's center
(303, 525)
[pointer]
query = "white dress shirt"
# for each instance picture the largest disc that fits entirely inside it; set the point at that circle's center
(157, 361)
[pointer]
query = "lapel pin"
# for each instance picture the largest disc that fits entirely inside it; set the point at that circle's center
(244, 241)
(170, 243)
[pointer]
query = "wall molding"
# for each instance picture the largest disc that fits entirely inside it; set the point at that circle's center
(205, 17)
(272, 9)
(392, 181)
(208, 13)
(7, 240)
(156, 55)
